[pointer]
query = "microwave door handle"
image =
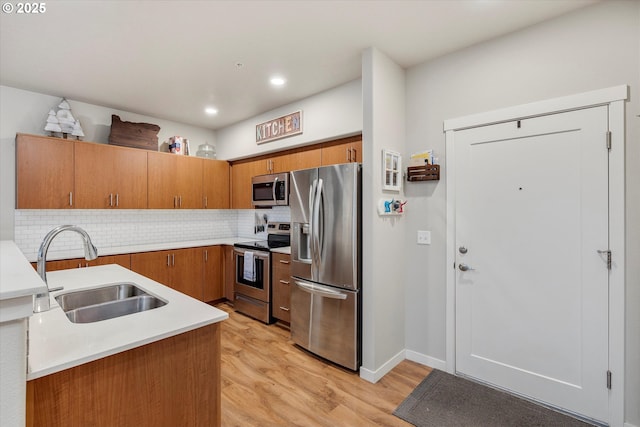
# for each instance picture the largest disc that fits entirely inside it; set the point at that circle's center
(321, 291)
(275, 184)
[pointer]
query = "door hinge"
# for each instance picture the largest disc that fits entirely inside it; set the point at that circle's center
(608, 253)
(609, 140)
(609, 380)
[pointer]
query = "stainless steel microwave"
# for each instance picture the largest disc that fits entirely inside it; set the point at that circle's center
(270, 190)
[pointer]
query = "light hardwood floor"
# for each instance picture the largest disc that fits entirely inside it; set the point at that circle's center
(268, 381)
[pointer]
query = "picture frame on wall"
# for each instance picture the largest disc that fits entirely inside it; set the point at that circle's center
(391, 170)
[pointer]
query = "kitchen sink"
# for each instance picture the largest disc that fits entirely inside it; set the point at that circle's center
(107, 302)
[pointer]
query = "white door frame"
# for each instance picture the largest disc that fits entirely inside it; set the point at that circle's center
(614, 98)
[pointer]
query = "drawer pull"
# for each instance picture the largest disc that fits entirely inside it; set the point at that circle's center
(285, 282)
(284, 308)
(282, 261)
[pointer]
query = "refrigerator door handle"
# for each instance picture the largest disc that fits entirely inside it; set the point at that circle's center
(312, 197)
(316, 228)
(321, 291)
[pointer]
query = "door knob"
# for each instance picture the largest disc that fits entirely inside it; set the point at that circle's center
(464, 267)
(462, 250)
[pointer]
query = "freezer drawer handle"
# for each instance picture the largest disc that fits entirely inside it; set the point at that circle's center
(321, 291)
(249, 300)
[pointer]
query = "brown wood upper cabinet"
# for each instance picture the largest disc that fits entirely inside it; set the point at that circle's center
(44, 172)
(346, 150)
(244, 170)
(108, 177)
(175, 182)
(215, 184)
(241, 174)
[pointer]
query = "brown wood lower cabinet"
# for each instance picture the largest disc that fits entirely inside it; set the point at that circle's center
(281, 283)
(212, 276)
(229, 273)
(205, 273)
(66, 264)
(172, 382)
(180, 269)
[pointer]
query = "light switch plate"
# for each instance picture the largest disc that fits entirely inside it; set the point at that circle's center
(424, 237)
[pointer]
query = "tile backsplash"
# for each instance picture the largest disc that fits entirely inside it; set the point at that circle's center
(117, 228)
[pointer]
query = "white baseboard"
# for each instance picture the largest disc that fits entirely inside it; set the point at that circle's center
(423, 359)
(375, 376)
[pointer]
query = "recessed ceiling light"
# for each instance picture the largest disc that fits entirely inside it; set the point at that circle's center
(211, 111)
(278, 81)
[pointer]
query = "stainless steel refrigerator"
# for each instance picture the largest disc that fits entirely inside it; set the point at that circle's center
(325, 262)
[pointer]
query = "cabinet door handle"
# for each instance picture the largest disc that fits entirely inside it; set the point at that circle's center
(284, 282)
(110, 200)
(79, 265)
(117, 199)
(355, 157)
(283, 261)
(348, 154)
(206, 255)
(179, 201)
(284, 308)
(175, 201)
(173, 260)
(70, 198)
(206, 201)
(168, 260)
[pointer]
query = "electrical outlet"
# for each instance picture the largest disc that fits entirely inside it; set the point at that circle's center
(424, 237)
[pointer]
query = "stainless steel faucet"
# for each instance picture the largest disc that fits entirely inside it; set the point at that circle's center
(41, 301)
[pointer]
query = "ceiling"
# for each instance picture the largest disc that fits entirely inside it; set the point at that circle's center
(171, 59)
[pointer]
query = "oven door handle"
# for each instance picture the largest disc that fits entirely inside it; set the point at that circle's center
(256, 254)
(322, 291)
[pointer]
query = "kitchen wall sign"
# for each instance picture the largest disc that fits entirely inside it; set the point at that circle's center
(282, 127)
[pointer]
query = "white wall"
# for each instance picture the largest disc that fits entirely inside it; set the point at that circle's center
(327, 115)
(383, 253)
(26, 112)
(593, 48)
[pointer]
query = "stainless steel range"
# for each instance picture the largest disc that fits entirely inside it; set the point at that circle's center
(252, 289)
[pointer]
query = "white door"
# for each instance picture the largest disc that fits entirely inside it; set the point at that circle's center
(531, 218)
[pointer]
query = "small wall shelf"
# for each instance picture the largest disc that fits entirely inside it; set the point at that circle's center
(423, 173)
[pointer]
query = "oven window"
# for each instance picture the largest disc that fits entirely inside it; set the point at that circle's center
(259, 269)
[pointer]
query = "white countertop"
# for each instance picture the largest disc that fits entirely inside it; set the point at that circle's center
(17, 276)
(116, 250)
(285, 250)
(55, 343)
(18, 283)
